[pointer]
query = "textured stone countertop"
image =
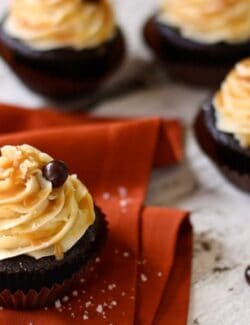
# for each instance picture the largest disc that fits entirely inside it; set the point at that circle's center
(220, 213)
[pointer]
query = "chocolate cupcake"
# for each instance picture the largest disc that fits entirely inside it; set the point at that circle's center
(223, 126)
(199, 42)
(49, 227)
(62, 49)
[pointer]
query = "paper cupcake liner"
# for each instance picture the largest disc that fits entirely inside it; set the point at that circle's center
(206, 142)
(34, 299)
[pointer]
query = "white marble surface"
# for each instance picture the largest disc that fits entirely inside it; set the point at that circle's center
(220, 213)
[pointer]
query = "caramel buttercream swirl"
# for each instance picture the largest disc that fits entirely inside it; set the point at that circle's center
(232, 103)
(35, 218)
(209, 21)
(50, 24)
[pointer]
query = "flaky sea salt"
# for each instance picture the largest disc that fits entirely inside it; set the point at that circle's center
(99, 309)
(159, 274)
(106, 196)
(122, 191)
(98, 260)
(111, 286)
(88, 304)
(58, 304)
(126, 254)
(143, 277)
(82, 280)
(85, 317)
(113, 303)
(75, 293)
(65, 299)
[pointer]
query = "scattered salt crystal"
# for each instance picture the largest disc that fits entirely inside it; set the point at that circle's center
(58, 304)
(103, 290)
(122, 191)
(111, 286)
(123, 294)
(106, 196)
(132, 297)
(159, 274)
(73, 315)
(126, 254)
(88, 304)
(45, 308)
(114, 303)
(85, 317)
(144, 277)
(82, 280)
(123, 203)
(65, 299)
(75, 293)
(91, 297)
(98, 260)
(99, 309)
(60, 310)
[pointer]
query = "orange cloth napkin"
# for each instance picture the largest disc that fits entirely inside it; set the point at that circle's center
(143, 275)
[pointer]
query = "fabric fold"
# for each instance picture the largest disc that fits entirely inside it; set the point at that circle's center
(146, 247)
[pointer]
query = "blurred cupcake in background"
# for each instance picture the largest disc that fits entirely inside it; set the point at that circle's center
(223, 126)
(62, 48)
(200, 40)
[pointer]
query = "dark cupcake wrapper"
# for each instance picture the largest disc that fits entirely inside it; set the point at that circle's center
(45, 296)
(187, 60)
(35, 299)
(209, 145)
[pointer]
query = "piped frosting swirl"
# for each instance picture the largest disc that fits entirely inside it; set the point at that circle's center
(232, 103)
(209, 21)
(51, 24)
(35, 218)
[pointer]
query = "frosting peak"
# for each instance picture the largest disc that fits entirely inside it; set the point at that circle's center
(209, 21)
(232, 103)
(49, 24)
(35, 218)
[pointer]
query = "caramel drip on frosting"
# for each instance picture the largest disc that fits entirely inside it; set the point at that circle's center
(50, 24)
(35, 218)
(232, 103)
(209, 21)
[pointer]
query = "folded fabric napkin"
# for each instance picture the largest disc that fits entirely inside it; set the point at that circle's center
(143, 274)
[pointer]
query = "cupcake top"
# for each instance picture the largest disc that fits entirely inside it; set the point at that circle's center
(43, 210)
(209, 21)
(232, 104)
(52, 24)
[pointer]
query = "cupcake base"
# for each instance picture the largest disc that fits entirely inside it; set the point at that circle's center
(212, 147)
(190, 61)
(63, 73)
(29, 283)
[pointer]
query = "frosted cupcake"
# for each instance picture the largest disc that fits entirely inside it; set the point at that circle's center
(199, 41)
(223, 126)
(49, 227)
(62, 48)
